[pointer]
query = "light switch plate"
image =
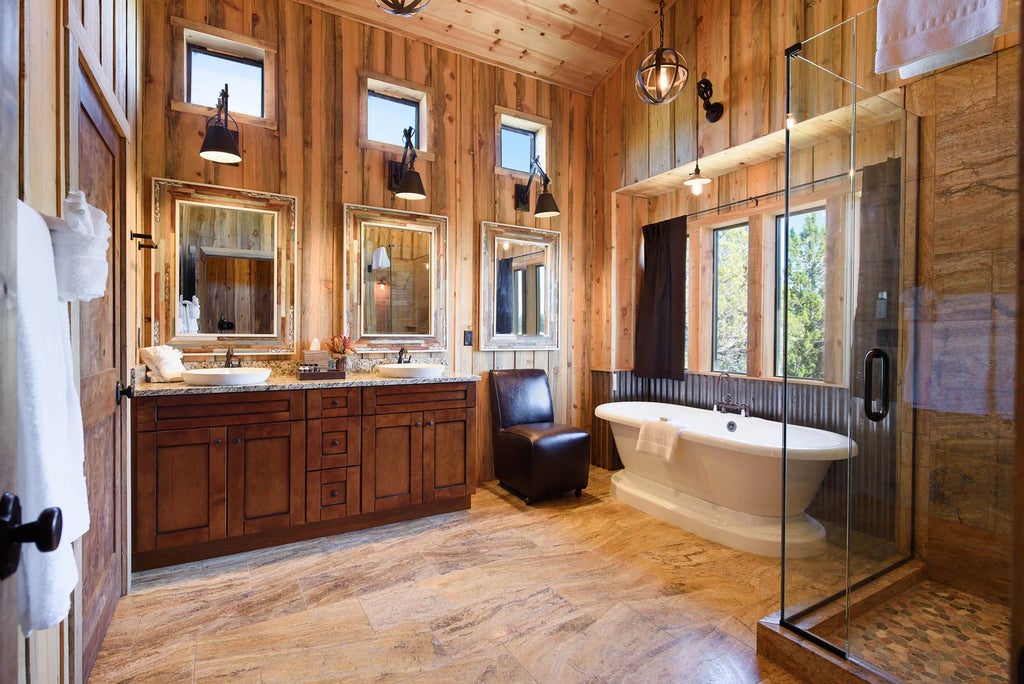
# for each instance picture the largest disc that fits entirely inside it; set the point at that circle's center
(467, 338)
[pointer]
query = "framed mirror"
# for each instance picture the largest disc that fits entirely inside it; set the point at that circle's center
(229, 279)
(519, 270)
(396, 268)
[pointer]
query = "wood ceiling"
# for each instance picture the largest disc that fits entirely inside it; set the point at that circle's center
(571, 43)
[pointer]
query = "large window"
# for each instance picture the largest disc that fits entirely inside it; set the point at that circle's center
(729, 343)
(800, 298)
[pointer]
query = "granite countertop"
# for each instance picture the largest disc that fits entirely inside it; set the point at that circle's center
(291, 382)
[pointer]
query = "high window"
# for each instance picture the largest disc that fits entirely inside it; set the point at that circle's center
(729, 341)
(518, 147)
(800, 298)
(519, 137)
(388, 116)
(209, 70)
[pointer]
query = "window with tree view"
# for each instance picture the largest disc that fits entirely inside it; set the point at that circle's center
(729, 344)
(800, 312)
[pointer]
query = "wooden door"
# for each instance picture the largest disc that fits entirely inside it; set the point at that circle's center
(392, 461)
(101, 350)
(449, 437)
(266, 477)
(180, 487)
(9, 50)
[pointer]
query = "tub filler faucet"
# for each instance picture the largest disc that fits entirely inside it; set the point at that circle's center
(726, 404)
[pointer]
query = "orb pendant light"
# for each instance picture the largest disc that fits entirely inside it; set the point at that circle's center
(663, 72)
(403, 8)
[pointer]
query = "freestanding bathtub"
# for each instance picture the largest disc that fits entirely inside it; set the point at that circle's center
(724, 480)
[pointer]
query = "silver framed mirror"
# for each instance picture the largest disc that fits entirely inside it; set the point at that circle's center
(229, 279)
(396, 267)
(519, 274)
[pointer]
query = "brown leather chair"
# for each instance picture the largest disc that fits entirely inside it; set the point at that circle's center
(534, 457)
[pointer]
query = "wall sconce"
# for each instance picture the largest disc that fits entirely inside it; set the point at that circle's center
(712, 110)
(404, 180)
(663, 72)
(220, 144)
(403, 8)
(546, 206)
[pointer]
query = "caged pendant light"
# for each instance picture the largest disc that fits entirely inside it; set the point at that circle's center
(663, 72)
(403, 8)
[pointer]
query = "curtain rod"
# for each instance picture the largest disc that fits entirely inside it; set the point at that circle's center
(757, 198)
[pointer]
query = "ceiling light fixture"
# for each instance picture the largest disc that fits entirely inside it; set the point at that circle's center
(403, 179)
(403, 8)
(546, 205)
(663, 72)
(220, 144)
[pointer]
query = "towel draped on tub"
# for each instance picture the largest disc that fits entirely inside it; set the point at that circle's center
(659, 437)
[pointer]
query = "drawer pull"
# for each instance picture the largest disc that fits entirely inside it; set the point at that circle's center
(334, 493)
(418, 424)
(236, 440)
(335, 402)
(334, 442)
(430, 422)
(218, 442)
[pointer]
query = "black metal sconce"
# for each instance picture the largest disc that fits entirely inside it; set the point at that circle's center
(546, 205)
(712, 110)
(403, 179)
(220, 144)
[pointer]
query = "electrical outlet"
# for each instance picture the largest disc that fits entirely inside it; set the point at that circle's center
(467, 338)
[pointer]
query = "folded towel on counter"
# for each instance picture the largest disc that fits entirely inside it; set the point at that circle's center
(164, 363)
(80, 243)
(917, 36)
(659, 437)
(51, 445)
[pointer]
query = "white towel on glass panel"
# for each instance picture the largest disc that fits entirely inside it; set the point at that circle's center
(50, 438)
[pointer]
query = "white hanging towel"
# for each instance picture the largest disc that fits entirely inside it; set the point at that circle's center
(659, 437)
(50, 438)
(917, 36)
(80, 242)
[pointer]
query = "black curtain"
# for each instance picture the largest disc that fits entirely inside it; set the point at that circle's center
(503, 298)
(661, 310)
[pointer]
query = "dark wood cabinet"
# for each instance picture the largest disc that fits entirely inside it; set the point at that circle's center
(221, 473)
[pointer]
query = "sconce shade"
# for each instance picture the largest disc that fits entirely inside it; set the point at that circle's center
(411, 186)
(696, 181)
(403, 8)
(661, 76)
(220, 145)
(546, 206)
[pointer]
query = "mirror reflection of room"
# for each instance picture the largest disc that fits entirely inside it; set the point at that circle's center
(226, 270)
(397, 283)
(520, 287)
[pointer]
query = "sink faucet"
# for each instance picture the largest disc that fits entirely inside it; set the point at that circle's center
(403, 356)
(229, 361)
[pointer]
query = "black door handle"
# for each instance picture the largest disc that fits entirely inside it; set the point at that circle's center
(869, 385)
(44, 533)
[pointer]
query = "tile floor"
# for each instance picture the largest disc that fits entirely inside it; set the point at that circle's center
(572, 590)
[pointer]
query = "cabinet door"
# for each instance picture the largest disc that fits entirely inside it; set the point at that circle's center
(449, 453)
(392, 461)
(180, 487)
(266, 477)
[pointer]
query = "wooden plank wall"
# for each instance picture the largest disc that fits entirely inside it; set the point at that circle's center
(315, 155)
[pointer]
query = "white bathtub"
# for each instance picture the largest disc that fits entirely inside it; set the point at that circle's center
(726, 484)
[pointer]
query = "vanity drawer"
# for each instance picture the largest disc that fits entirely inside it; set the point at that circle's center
(332, 403)
(332, 443)
(415, 397)
(332, 493)
(184, 411)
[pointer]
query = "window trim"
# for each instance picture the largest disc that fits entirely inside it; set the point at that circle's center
(227, 43)
(398, 89)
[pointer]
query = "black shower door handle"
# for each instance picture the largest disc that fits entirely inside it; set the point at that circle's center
(869, 385)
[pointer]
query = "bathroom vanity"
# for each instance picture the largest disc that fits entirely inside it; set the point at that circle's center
(222, 470)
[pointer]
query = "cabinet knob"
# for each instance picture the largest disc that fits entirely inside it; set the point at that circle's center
(335, 402)
(218, 442)
(236, 440)
(334, 493)
(334, 442)
(430, 422)
(418, 424)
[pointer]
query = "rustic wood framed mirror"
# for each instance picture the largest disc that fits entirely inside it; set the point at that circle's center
(519, 270)
(396, 268)
(225, 268)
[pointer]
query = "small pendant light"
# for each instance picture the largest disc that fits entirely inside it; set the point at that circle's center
(403, 8)
(663, 72)
(220, 144)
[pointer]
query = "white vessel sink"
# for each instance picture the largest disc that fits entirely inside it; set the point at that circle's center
(225, 376)
(411, 370)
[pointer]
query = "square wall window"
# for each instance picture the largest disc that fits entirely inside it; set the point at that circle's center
(518, 147)
(209, 71)
(519, 138)
(729, 341)
(388, 117)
